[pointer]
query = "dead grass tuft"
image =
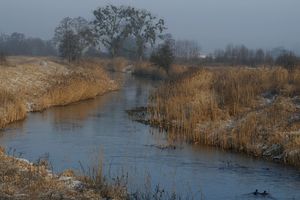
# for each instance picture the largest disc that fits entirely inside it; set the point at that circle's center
(11, 109)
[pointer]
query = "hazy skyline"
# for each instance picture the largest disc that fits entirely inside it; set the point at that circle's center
(213, 23)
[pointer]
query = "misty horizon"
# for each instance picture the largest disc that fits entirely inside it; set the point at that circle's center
(213, 24)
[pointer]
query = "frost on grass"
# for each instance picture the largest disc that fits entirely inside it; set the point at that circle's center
(33, 84)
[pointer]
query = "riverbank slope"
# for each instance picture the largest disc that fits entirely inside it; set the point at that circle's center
(35, 83)
(21, 179)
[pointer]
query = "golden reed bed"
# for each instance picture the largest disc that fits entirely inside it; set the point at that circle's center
(256, 111)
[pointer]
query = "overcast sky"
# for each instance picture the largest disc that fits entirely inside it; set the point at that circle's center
(214, 23)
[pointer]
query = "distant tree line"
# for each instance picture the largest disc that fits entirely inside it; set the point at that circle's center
(19, 44)
(241, 55)
(288, 60)
(186, 50)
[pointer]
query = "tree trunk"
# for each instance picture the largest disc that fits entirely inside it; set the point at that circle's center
(140, 49)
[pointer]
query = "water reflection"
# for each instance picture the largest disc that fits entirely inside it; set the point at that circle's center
(70, 118)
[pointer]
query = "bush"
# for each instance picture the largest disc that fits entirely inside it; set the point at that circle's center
(163, 56)
(2, 58)
(287, 60)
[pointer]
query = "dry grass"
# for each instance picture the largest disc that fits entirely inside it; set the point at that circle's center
(32, 84)
(256, 111)
(21, 179)
(11, 109)
(141, 68)
(146, 69)
(118, 64)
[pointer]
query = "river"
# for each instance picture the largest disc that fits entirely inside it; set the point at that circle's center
(100, 129)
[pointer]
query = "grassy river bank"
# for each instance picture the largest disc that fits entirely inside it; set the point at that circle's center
(251, 110)
(30, 84)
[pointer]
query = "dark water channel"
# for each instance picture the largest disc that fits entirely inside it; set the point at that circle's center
(101, 129)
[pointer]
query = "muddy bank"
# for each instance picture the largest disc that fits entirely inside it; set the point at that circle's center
(30, 84)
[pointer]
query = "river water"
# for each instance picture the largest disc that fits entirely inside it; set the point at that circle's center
(100, 129)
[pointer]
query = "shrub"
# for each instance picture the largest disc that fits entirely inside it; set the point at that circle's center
(2, 58)
(163, 56)
(287, 60)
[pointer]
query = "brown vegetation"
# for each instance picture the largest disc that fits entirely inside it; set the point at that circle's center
(256, 111)
(33, 84)
(11, 109)
(146, 69)
(21, 179)
(141, 68)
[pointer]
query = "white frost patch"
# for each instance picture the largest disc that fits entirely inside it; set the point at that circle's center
(24, 160)
(128, 69)
(43, 64)
(268, 97)
(29, 106)
(297, 101)
(230, 124)
(71, 182)
(50, 173)
(294, 117)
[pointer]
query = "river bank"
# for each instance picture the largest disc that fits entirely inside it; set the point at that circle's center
(250, 110)
(21, 179)
(29, 84)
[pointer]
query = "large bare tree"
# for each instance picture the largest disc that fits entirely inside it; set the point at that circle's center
(145, 28)
(112, 27)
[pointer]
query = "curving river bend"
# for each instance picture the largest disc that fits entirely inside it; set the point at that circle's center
(101, 127)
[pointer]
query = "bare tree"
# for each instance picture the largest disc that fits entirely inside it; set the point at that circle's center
(163, 56)
(241, 55)
(112, 27)
(3, 60)
(145, 28)
(259, 56)
(186, 49)
(288, 60)
(73, 36)
(69, 47)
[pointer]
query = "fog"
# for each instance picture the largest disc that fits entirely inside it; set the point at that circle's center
(213, 23)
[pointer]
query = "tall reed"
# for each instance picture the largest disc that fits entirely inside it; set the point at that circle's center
(11, 108)
(244, 109)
